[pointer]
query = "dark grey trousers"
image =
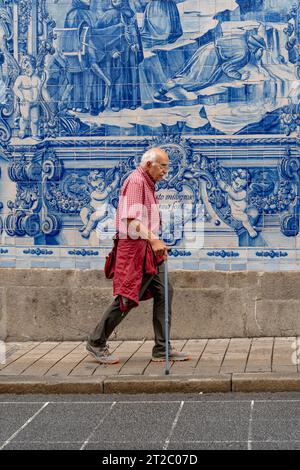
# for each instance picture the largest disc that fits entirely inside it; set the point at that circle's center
(113, 316)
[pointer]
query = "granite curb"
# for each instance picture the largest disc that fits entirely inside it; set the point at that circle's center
(247, 382)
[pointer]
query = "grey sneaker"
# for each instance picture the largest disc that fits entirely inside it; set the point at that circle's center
(102, 355)
(173, 356)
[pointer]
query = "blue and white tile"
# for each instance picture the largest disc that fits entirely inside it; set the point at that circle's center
(235, 123)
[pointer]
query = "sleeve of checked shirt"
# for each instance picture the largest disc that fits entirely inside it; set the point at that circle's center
(132, 203)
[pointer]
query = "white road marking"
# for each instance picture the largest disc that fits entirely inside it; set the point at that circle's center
(24, 425)
(250, 426)
(101, 421)
(144, 402)
(167, 442)
(159, 442)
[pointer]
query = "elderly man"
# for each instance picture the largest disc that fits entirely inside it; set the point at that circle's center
(140, 256)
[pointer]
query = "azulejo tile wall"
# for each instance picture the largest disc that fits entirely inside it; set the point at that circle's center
(86, 86)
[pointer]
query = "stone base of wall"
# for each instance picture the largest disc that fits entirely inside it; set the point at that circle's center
(49, 304)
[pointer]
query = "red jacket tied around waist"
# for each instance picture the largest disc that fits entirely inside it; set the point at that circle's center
(133, 259)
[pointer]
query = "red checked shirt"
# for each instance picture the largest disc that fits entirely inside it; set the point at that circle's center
(138, 201)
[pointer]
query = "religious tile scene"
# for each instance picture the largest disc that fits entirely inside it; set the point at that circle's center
(87, 86)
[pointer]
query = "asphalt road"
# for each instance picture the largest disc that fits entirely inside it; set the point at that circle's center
(150, 422)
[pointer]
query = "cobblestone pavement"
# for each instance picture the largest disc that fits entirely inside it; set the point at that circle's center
(225, 359)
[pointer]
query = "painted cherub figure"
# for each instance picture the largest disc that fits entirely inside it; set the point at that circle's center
(98, 209)
(237, 198)
(27, 88)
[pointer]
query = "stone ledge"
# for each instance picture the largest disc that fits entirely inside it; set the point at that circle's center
(247, 382)
(55, 305)
(47, 385)
(266, 382)
(168, 384)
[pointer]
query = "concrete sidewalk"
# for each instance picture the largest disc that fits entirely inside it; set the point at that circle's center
(217, 365)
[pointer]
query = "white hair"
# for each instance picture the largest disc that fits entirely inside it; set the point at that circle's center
(149, 156)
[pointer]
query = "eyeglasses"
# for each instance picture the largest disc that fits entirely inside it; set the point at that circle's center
(163, 166)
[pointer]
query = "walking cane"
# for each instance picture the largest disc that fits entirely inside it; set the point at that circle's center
(167, 370)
